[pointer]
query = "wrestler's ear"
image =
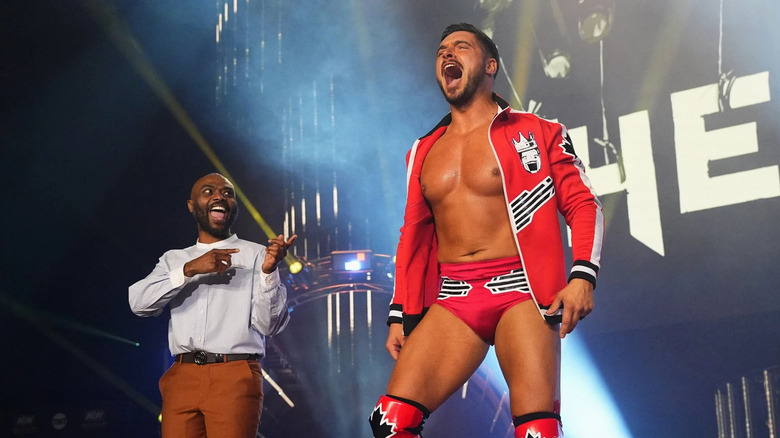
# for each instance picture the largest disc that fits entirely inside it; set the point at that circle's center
(491, 67)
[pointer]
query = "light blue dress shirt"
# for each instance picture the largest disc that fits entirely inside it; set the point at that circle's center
(226, 313)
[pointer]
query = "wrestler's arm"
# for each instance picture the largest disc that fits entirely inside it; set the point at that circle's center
(577, 301)
(582, 211)
(395, 334)
(395, 340)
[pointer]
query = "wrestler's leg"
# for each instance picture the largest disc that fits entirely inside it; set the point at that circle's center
(437, 358)
(538, 425)
(529, 353)
(397, 418)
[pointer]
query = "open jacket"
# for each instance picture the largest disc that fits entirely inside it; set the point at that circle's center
(542, 176)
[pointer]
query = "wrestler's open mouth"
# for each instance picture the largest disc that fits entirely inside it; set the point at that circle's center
(218, 213)
(451, 72)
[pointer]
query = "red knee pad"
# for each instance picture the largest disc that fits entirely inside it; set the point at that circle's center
(395, 417)
(539, 425)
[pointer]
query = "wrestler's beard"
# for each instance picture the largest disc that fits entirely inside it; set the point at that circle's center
(202, 217)
(467, 94)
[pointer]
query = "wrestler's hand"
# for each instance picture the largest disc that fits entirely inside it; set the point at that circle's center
(276, 252)
(216, 260)
(395, 340)
(577, 302)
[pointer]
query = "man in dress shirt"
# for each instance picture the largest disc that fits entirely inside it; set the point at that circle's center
(224, 296)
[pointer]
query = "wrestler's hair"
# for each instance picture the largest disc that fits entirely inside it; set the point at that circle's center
(488, 46)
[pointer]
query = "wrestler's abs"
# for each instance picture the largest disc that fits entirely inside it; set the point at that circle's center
(461, 181)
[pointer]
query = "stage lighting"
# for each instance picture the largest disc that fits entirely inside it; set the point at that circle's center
(385, 268)
(300, 276)
(595, 21)
(296, 267)
(552, 39)
(747, 407)
(351, 261)
(556, 64)
(278, 388)
(351, 265)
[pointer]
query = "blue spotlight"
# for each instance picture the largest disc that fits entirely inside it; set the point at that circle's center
(352, 266)
(351, 261)
(587, 407)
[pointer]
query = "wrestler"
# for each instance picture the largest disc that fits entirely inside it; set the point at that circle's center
(480, 259)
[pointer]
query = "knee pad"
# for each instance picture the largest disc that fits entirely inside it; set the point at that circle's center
(538, 425)
(397, 417)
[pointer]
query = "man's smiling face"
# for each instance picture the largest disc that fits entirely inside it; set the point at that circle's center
(213, 204)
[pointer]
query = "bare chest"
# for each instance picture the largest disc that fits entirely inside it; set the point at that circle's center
(461, 165)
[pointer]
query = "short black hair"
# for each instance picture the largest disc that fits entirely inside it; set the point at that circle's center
(487, 44)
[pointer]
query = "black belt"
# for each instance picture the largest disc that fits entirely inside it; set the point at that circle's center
(203, 358)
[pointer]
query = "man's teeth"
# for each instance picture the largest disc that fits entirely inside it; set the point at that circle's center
(453, 71)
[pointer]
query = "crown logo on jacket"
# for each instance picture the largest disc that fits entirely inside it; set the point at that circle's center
(529, 152)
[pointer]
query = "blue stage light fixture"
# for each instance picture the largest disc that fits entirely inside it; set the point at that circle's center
(351, 261)
(352, 266)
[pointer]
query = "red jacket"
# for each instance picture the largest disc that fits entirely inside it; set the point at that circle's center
(542, 176)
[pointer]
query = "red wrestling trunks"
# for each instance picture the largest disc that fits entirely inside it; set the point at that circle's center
(480, 292)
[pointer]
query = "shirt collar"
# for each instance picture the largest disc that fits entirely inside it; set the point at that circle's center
(502, 105)
(219, 244)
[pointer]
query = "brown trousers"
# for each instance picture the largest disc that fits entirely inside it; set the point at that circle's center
(220, 400)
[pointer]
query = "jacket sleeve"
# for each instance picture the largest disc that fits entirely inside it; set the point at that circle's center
(416, 264)
(577, 203)
(401, 261)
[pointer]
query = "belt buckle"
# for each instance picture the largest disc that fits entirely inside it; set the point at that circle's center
(201, 357)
